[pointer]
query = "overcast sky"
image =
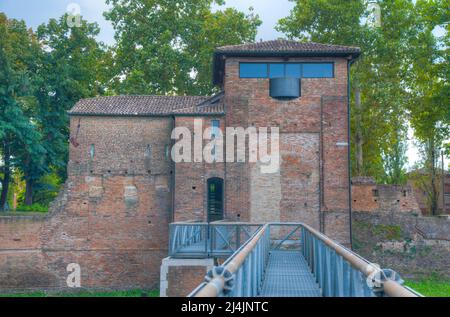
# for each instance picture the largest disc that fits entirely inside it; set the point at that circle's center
(35, 12)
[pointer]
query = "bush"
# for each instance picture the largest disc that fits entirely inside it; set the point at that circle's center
(32, 208)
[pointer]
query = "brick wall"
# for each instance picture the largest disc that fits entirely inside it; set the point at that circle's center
(312, 185)
(367, 196)
(115, 215)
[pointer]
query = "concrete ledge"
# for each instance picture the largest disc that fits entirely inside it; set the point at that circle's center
(187, 273)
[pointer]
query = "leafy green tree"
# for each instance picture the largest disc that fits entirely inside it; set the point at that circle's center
(19, 135)
(165, 46)
(70, 68)
(430, 93)
(380, 85)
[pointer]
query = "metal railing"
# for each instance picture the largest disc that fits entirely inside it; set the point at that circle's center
(203, 240)
(338, 271)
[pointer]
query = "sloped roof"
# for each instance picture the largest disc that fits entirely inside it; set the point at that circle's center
(147, 106)
(287, 46)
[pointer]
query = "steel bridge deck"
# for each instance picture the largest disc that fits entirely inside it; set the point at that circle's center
(288, 275)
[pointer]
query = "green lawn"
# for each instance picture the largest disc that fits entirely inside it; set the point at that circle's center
(431, 287)
(129, 293)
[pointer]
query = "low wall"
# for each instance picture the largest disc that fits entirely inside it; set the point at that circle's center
(413, 245)
(118, 243)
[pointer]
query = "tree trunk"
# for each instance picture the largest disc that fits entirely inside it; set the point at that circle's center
(358, 136)
(28, 192)
(434, 192)
(6, 178)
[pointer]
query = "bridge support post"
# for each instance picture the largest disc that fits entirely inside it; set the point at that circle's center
(180, 276)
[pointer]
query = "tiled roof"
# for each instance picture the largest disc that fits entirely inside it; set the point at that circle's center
(146, 105)
(287, 46)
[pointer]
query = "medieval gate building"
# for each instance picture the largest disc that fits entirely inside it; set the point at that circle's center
(124, 189)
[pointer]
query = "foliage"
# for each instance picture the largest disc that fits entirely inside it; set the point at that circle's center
(166, 46)
(42, 76)
(163, 47)
(401, 76)
(36, 207)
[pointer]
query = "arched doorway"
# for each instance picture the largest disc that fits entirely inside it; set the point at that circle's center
(215, 199)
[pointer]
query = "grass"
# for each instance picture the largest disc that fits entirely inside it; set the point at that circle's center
(129, 293)
(431, 287)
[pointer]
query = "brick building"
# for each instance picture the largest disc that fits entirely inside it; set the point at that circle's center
(123, 188)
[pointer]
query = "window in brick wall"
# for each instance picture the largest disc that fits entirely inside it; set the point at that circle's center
(253, 70)
(167, 151)
(375, 193)
(295, 70)
(317, 70)
(215, 127)
(148, 152)
(92, 151)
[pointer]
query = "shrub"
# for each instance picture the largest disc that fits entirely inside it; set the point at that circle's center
(34, 207)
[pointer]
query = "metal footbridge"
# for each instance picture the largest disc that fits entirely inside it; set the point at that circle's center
(279, 260)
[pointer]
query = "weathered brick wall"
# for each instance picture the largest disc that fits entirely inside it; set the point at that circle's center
(367, 196)
(191, 178)
(314, 166)
(414, 246)
(114, 222)
(179, 277)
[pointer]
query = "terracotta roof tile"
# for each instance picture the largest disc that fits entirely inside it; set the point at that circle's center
(145, 105)
(287, 46)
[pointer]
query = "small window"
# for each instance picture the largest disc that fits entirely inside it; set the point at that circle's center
(294, 70)
(92, 151)
(318, 70)
(375, 193)
(253, 70)
(215, 127)
(276, 70)
(167, 151)
(148, 151)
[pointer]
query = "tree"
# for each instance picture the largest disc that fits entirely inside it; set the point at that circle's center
(165, 46)
(380, 90)
(69, 69)
(428, 104)
(19, 134)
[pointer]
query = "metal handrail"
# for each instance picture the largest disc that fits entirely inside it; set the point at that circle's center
(390, 287)
(216, 285)
(319, 250)
(208, 239)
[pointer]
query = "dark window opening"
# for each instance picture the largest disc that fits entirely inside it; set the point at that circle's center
(92, 151)
(375, 193)
(215, 199)
(167, 152)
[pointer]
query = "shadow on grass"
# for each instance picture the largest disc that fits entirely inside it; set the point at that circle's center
(129, 293)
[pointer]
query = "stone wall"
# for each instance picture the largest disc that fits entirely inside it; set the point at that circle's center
(312, 185)
(414, 246)
(111, 218)
(367, 196)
